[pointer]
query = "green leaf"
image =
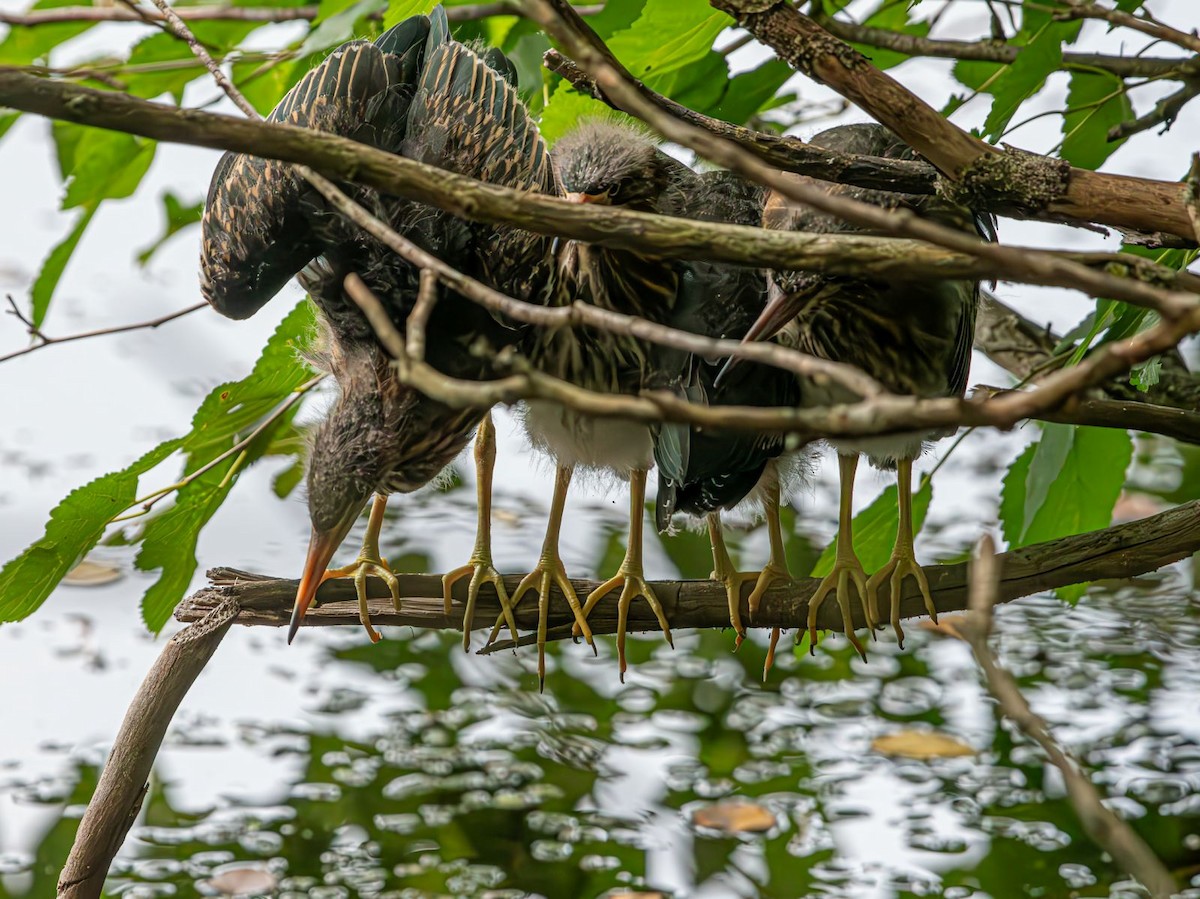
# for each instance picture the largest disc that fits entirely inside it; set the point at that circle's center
(668, 35)
(288, 479)
(1079, 473)
(25, 44)
(339, 27)
(169, 543)
(7, 120)
(1012, 496)
(749, 92)
(229, 410)
(178, 217)
(1081, 496)
(75, 526)
(52, 268)
(399, 10)
(875, 528)
(567, 106)
(1024, 77)
(106, 165)
(1147, 374)
(1044, 469)
(1096, 101)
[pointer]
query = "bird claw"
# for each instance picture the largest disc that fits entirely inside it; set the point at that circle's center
(770, 573)
(548, 573)
(846, 569)
(733, 581)
(360, 569)
(901, 565)
(482, 572)
(632, 584)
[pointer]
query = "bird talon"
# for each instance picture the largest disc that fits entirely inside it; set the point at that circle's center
(632, 584)
(482, 572)
(846, 570)
(902, 565)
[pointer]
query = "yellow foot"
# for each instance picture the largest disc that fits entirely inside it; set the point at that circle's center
(846, 570)
(632, 584)
(900, 566)
(360, 569)
(548, 573)
(733, 582)
(770, 573)
(482, 571)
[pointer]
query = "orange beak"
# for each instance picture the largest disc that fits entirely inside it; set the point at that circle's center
(586, 198)
(321, 548)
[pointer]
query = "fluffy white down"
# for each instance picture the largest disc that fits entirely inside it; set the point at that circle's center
(600, 444)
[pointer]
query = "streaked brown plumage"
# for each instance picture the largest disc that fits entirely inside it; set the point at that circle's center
(416, 92)
(913, 337)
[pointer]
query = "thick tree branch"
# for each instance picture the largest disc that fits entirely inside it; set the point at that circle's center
(1100, 823)
(1122, 551)
(1033, 181)
(118, 797)
(784, 152)
(669, 237)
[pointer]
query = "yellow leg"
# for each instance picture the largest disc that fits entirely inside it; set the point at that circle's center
(630, 577)
(550, 573)
(724, 572)
(479, 566)
(904, 559)
(775, 569)
(369, 562)
(846, 567)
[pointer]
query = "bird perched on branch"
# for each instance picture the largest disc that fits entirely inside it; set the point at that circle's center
(703, 471)
(416, 92)
(605, 163)
(913, 337)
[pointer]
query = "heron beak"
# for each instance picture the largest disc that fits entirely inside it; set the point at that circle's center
(779, 310)
(586, 198)
(321, 547)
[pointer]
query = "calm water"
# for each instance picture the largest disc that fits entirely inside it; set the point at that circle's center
(332, 769)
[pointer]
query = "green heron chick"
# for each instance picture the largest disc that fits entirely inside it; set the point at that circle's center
(913, 337)
(605, 163)
(702, 471)
(418, 93)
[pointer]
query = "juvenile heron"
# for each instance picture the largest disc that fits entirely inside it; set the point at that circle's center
(913, 337)
(703, 471)
(605, 163)
(418, 93)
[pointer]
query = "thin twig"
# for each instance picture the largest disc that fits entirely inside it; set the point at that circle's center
(418, 319)
(43, 341)
(885, 414)
(996, 51)
(1104, 828)
(1084, 10)
(464, 13)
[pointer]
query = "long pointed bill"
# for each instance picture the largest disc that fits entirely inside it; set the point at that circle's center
(778, 312)
(321, 548)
